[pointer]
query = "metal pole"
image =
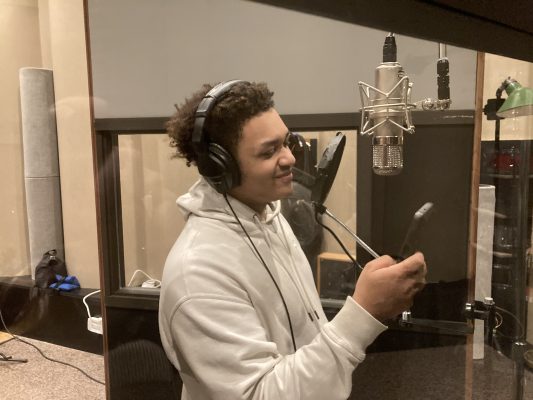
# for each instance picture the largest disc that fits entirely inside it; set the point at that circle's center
(357, 239)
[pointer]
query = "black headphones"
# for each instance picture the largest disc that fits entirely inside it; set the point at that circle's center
(215, 163)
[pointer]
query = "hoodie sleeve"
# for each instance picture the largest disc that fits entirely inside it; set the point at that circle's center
(226, 349)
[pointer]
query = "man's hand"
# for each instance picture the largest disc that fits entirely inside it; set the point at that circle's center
(385, 288)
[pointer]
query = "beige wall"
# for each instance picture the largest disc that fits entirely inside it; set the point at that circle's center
(68, 60)
(50, 34)
(19, 47)
(150, 183)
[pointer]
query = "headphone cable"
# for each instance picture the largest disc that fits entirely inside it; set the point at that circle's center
(266, 267)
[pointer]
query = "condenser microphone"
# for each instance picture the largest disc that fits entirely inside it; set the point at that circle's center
(387, 112)
(387, 142)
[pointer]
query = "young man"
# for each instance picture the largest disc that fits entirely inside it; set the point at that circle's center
(239, 315)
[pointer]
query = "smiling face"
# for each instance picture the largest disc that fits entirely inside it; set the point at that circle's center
(264, 160)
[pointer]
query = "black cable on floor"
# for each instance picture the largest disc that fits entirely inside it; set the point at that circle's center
(44, 355)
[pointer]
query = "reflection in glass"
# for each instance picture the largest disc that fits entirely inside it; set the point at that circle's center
(150, 183)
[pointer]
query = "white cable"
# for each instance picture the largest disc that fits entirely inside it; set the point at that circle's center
(156, 282)
(84, 302)
(498, 322)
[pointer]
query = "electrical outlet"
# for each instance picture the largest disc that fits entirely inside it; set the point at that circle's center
(94, 324)
(150, 283)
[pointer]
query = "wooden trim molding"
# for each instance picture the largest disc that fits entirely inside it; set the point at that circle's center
(296, 122)
(474, 199)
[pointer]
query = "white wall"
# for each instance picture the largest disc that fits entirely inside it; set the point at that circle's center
(148, 55)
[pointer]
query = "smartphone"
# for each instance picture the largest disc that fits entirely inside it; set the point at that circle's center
(411, 242)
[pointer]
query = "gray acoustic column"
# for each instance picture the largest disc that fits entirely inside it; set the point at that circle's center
(41, 163)
(485, 234)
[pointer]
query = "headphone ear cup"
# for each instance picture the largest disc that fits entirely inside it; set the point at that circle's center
(221, 169)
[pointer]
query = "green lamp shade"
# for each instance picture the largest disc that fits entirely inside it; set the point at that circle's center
(519, 101)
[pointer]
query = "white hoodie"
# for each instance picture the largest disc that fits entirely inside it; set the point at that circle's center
(222, 321)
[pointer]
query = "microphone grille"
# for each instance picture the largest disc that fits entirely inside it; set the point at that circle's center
(387, 159)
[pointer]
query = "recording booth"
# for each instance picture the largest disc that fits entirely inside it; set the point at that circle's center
(433, 103)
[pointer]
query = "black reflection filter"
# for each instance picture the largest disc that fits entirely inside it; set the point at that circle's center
(327, 168)
(325, 176)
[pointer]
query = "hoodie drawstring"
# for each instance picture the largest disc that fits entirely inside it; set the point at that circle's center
(294, 275)
(296, 272)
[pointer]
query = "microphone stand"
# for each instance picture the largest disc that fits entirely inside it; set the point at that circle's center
(3, 357)
(478, 310)
(321, 208)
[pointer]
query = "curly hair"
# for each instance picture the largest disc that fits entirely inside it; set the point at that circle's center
(224, 124)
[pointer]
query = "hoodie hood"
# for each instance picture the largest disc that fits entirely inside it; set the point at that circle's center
(204, 201)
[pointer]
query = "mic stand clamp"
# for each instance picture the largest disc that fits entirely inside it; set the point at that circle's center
(433, 104)
(3, 357)
(484, 310)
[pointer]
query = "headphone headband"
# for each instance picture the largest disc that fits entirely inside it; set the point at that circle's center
(210, 100)
(215, 163)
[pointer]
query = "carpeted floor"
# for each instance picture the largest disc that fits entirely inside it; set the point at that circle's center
(41, 379)
(435, 373)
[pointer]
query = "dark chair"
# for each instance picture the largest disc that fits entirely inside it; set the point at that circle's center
(140, 370)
